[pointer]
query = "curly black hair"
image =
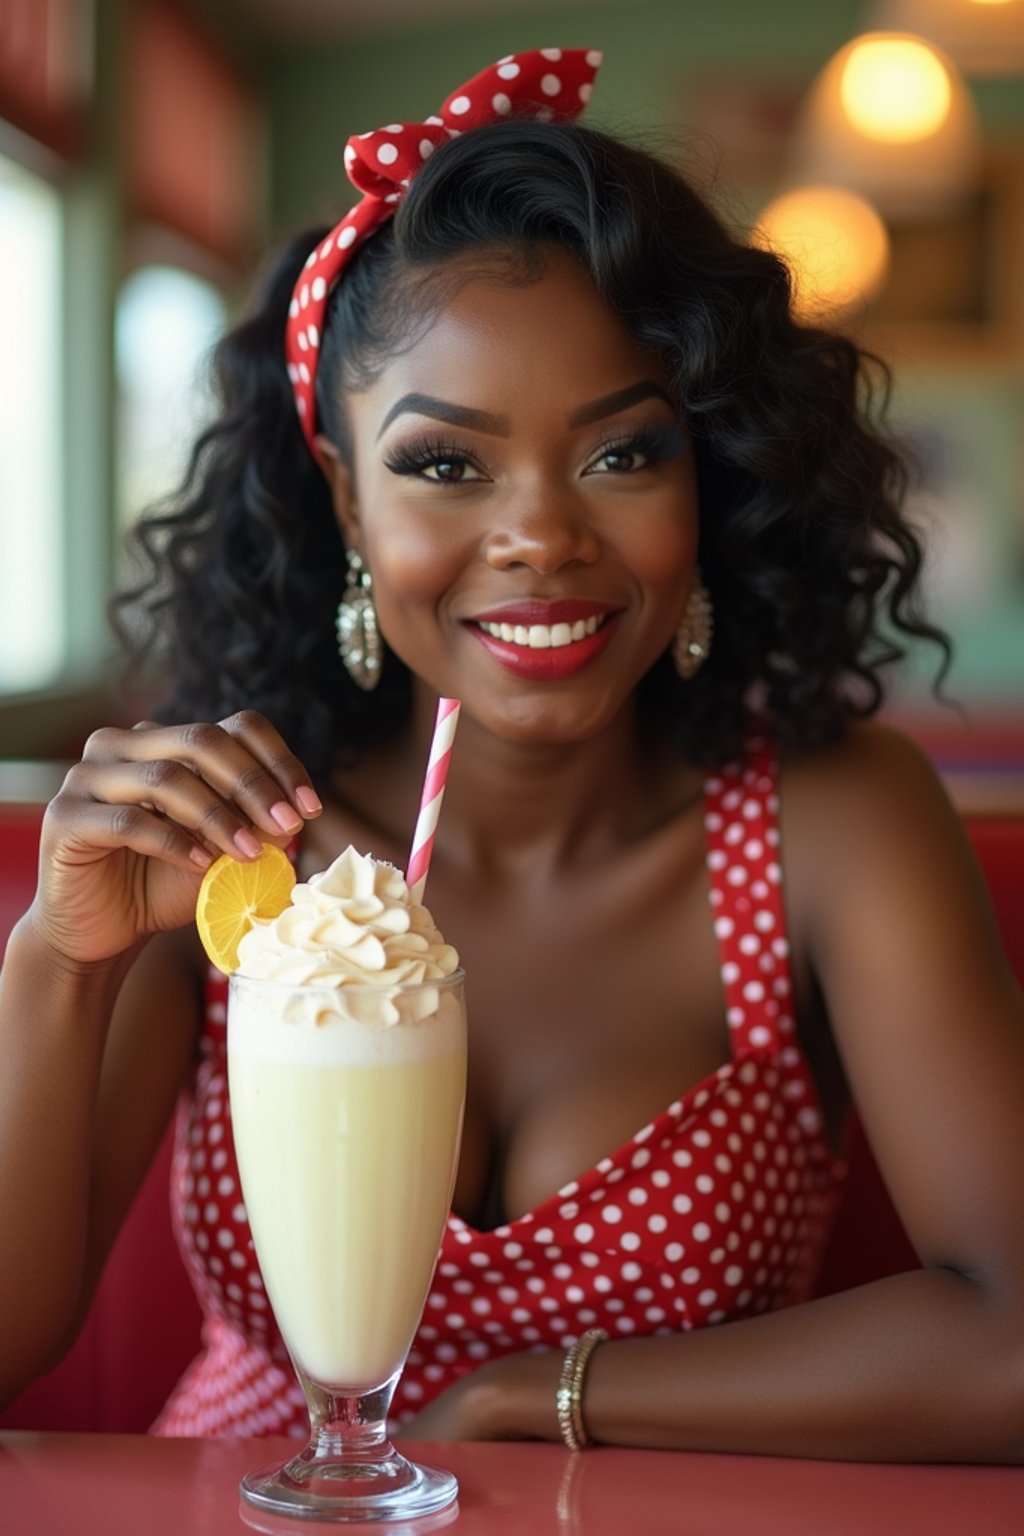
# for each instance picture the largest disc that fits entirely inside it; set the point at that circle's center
(813, 570)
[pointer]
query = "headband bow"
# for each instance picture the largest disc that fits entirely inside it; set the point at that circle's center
(547, 83)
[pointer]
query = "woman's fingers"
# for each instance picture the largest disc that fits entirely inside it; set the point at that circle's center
(98, 827)
(171, 790)
(144, 806)
(243, 759)
(255, 732)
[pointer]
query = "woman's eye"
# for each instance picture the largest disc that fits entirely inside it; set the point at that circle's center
(449, 471)
(437, 463)
(619, 461)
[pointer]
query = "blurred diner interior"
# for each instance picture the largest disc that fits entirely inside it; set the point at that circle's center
(152, 150)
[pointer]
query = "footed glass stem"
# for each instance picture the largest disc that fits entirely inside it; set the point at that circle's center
(349, 1471)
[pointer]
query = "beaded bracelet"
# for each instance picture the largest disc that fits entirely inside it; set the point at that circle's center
(569, 1397)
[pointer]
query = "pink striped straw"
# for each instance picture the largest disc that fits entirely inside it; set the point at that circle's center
(433, 793)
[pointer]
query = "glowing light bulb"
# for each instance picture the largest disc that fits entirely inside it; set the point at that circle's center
(834, 243)
(895, 89)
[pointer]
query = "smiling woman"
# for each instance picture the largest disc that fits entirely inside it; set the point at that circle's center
(555, 440)
(546, 506)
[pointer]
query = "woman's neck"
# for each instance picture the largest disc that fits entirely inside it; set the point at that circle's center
(513, 807)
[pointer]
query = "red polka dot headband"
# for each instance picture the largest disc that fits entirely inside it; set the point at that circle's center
(548, 83)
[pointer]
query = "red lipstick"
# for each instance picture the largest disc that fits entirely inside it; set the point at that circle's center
(550, 663)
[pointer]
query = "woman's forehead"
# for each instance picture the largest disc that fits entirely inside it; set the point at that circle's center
(550, 334)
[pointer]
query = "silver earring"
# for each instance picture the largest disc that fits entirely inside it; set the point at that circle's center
(692, 645)
(359, 643)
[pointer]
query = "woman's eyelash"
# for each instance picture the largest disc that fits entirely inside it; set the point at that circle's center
(415, 457)
(656, 444)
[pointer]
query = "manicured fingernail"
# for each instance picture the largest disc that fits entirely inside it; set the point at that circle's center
(247, 844)
(309, 801)
(285, 816)
(201, 857)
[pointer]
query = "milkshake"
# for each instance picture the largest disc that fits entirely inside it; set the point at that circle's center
(347, 1137)
(347, 1074)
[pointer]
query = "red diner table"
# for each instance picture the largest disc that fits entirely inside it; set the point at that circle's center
(110, 1485)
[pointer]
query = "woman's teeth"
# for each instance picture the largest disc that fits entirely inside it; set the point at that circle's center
(544, 637)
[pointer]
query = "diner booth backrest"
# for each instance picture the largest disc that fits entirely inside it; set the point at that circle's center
(144, 1326)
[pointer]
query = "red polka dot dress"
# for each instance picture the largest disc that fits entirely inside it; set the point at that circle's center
(718, 1209)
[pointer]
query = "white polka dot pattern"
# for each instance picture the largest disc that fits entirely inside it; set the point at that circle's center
(547, 84)
(718, 1209)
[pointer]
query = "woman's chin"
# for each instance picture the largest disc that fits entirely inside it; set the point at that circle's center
(556, 721)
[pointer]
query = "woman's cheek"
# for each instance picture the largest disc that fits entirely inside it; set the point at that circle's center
(662, 550)
(414, 563)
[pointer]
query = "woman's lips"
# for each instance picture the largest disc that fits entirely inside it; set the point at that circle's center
(559, 657)
(535, 610)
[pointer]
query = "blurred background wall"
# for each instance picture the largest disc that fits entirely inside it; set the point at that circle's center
(150, 150)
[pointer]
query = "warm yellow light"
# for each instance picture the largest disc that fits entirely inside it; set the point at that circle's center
(979, 37)
(862, 127)
(834, 243)
(895, 89)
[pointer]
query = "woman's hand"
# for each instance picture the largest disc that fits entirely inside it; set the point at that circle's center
(137, 822)
(508, 1399)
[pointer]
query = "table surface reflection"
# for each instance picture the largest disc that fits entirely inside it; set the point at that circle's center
(103, 1485)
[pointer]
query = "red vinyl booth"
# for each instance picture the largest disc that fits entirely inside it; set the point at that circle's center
(144, 1325)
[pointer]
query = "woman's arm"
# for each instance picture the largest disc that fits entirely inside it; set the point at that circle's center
(93, 1058)
(922, 1366)
(100, 998)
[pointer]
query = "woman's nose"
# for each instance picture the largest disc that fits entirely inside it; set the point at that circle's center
(544, 531)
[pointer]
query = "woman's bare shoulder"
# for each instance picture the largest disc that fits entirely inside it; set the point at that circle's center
(872, 767)
(868, 801)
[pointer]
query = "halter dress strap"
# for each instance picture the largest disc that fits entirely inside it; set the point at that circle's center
(745, 879)
(213, 1039)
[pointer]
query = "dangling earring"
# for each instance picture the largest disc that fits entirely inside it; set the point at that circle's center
(359, 643)
(692, 645)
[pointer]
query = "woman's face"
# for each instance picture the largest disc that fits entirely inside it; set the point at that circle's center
(524, 496)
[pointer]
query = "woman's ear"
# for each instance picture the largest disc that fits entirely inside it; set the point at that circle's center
(343, 491)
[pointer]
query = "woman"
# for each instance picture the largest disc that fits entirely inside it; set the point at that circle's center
(585, 473)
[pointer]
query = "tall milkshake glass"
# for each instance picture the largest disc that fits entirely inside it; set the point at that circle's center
(347, 1124)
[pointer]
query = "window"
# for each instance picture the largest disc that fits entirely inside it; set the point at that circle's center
(167, 321)
(33, 638)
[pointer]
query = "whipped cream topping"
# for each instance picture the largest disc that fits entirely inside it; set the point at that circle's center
(353, 927)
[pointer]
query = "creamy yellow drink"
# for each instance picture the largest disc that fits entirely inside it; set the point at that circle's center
(347, 1069)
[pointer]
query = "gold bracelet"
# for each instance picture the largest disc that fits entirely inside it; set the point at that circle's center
(569, 1397)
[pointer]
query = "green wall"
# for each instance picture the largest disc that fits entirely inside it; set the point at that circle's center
(652, 48)
(654, 51)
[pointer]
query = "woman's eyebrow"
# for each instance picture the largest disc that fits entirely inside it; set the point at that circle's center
(621, 400)
(446, 410)
(498, 426)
